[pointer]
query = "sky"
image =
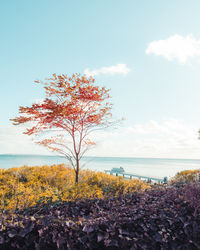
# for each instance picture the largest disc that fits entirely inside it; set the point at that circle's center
(146, 52)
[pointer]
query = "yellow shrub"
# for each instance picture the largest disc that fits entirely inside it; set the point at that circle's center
(27, 186)
(82, 191)
(185, 176)
(110, 184)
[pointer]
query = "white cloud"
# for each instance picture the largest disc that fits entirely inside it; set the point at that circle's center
(168, 139)
(38, 101)
(176, 47)
(13, 141)
(111, 70)
(171, 138)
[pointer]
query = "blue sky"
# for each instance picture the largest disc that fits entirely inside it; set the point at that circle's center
(147, 52)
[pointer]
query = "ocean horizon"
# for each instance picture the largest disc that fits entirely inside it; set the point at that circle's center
(157, 167)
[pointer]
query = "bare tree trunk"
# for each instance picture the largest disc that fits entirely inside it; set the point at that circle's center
(77, 171)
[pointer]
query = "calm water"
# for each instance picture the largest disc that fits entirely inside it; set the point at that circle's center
(143, 166)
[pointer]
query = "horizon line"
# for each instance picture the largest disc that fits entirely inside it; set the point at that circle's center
(159, 158)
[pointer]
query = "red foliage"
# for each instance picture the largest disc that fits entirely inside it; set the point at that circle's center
(73, 105)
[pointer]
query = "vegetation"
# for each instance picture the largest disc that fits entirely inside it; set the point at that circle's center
(186, 176)
(28, 186)
(164, 218)
(73, 107)
(44, 208)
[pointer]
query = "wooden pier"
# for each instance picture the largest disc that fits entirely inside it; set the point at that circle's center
(120, 172)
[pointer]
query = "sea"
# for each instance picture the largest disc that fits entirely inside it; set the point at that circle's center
(153, 167)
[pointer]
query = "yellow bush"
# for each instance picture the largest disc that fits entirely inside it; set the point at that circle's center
(82, 191)
(110, 184)
(27, 186)
(185, 176)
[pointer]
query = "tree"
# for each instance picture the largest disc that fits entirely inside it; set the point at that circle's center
(73, 107)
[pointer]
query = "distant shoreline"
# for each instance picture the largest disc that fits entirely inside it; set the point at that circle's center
(119, 157)
(140, 166)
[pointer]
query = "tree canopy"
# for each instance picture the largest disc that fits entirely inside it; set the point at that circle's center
(73, 107)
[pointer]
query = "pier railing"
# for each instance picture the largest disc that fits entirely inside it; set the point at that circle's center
(120, 172)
